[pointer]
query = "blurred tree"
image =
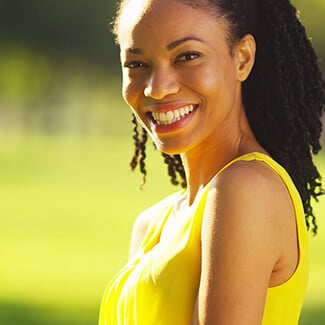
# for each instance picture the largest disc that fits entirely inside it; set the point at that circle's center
(58, 59)
(79, 28)
(313, 15)
(75, 28)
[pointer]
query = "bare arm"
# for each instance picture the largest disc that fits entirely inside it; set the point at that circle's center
(243, 235)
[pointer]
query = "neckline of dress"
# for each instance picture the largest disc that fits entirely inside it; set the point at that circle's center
(254, 155)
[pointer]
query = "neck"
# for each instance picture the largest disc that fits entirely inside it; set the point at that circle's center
(203, 162)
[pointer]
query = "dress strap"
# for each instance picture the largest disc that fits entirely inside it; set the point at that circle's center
(294, 194)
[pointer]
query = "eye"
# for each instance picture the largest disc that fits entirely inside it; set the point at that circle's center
(134, 65)
(188, 56)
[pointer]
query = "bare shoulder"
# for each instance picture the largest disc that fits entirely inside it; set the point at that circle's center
(248, 172)
(253, 196)
(254, 186)
(247, 214)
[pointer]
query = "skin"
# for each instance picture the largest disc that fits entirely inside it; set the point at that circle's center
(249, 240)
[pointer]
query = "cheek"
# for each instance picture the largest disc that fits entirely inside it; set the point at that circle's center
(132, 90)
(125, 93)
(216, 83)
(206, 82)
(131, 96)
(125, 86)
(129, 93)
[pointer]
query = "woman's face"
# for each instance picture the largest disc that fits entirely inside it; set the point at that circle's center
(179, 76)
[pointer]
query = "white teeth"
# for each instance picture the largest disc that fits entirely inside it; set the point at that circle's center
(169, 115)
(166, 118)
(162, 117)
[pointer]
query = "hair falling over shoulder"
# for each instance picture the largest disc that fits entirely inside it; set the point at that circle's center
(284, 96)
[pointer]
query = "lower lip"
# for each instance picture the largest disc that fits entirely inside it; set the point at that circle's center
(176, 126)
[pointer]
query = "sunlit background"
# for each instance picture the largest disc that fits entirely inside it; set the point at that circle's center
(67, 196)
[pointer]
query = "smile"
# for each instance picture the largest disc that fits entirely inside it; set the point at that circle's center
(170, 117)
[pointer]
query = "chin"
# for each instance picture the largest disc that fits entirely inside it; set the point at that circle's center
(171, 150)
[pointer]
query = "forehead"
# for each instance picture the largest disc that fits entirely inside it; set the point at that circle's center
(131, 13)
(164, 18)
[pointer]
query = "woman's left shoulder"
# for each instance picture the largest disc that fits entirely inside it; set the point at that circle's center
(247, 218)
(252, 177)
(250, 193)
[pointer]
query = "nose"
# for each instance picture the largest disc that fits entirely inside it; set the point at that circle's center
(161, 83)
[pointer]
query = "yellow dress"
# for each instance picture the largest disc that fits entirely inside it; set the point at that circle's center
(160, 284)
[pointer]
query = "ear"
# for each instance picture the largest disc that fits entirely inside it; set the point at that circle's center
(244, 52)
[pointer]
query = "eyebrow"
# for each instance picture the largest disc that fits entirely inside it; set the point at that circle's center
(170, 46)
(134, 50)
(174, 44)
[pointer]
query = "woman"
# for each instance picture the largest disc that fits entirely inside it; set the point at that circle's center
(231, 93)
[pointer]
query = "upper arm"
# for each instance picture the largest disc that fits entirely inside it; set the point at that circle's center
(241, 244)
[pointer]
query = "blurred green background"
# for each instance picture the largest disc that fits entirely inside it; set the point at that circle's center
(67, 197)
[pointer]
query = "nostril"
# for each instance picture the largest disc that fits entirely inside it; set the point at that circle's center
(161, 90)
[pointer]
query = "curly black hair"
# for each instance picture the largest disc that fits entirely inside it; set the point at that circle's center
(140, 140)
(284, 96)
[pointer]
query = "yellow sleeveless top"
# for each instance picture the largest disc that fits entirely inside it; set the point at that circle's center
(160, 284)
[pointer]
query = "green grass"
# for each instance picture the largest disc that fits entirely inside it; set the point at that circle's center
(67, 205)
